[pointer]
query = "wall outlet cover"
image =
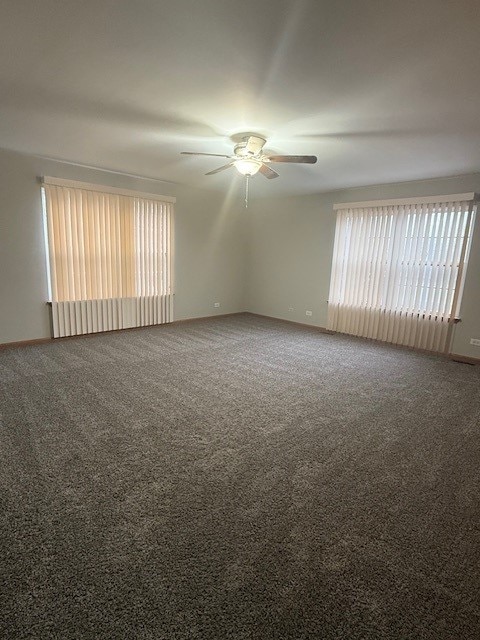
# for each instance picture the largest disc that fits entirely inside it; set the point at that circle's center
(216, 304)
(308, 313)
(475, 341)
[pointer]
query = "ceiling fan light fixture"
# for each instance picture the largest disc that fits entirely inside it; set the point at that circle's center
(247, 166)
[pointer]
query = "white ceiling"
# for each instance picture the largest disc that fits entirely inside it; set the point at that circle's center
(380, 91)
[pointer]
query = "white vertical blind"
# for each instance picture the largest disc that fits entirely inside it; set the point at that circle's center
(107, 247)
(397, 270)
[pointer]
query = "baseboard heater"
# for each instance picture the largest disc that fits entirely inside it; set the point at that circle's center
(92, 316)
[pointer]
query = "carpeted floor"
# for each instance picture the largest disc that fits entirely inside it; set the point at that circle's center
(238, 478)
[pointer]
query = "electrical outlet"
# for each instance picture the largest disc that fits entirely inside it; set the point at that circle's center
(475, 341)
(290, 308)
(308, 313)
(216, 304)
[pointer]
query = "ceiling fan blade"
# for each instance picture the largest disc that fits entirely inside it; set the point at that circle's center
(254, 145)
(301, 159)
(267, 172)
(225, 166)
(195, 153)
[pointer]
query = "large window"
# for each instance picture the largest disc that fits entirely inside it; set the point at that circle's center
(109, 257)
(398, 269)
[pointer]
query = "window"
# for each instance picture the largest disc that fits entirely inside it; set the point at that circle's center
(398, 269)
(109, 255)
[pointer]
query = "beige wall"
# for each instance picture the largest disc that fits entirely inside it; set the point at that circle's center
(291, 244)
(209, 245)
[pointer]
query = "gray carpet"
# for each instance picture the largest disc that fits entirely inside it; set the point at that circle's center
(238, 478)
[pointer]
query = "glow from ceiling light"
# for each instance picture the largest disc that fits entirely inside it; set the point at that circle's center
(247, 166)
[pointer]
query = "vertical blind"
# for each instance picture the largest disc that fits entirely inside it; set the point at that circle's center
(109, 257)
(398, 269)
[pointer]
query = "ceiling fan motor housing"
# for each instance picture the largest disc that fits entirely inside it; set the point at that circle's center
(240, 149)
(250, 146)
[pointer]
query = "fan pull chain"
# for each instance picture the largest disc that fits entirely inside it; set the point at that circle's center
(246, 191)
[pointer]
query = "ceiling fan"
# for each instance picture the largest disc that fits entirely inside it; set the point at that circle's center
(248, 158)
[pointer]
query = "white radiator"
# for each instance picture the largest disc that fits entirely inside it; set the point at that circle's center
(92, 316)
